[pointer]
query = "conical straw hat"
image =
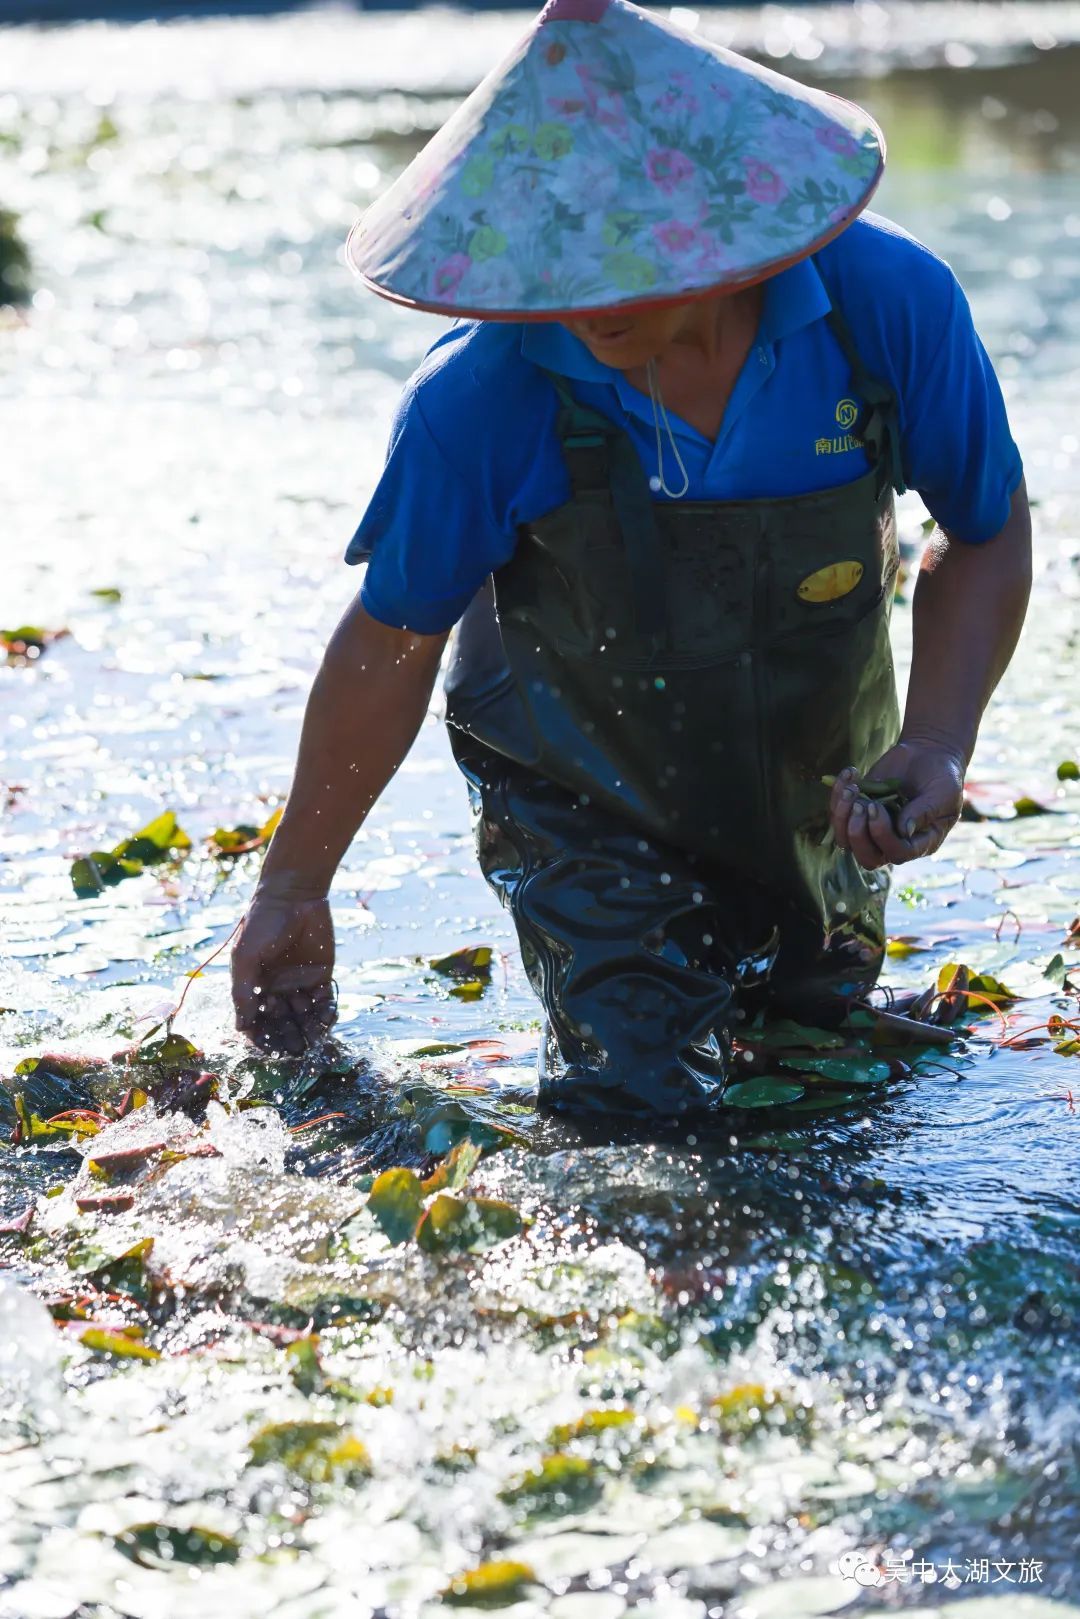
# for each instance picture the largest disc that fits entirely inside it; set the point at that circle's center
(614, 161)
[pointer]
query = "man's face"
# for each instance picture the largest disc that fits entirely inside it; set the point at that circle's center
(629, 341)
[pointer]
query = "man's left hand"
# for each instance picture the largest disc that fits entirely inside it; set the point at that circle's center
(931, 778)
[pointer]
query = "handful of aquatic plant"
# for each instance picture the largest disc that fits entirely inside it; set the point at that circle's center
(888, 793)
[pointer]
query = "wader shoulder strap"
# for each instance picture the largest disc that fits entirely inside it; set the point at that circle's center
(601, 458)
(879, 424)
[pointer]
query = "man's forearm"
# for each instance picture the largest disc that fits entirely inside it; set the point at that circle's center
(968, 611)
(366, 705)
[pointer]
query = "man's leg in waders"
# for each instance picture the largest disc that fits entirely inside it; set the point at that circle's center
(636, 966)
(817, 980)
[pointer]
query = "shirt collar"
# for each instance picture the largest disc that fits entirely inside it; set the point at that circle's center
(794, 298)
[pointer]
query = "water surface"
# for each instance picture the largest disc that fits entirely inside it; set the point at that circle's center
(829, 1335)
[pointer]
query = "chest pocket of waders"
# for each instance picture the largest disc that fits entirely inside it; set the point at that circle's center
(625, 580)
(704, 606)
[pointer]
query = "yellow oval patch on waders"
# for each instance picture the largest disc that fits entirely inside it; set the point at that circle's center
(829, 584)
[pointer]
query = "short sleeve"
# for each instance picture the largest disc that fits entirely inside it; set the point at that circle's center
(428, 532)
(958, 448)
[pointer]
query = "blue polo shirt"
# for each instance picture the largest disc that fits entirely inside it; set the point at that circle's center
(474, 454)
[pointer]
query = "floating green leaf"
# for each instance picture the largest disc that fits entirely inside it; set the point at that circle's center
(227, 843)
(163, 1546)
(765, 1092)
(954, 978)
(455, 1169)
(490, 1585)
(25, 645)
(159, 839)
(557, 1481)
(123, 1344)
(466, 1225)
(592, 1423)
(1056, 971)
(315, 1451)
(781, 1033)
(126, 1273)
(93, 873)
(844, 1070)
(1068, 770)
(829, 1102)
(170, 1054)
(397, 1202)
(471, 962)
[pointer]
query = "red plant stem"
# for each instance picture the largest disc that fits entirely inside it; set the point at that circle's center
(975, 995)
(309, 1124)
(1037, 1028)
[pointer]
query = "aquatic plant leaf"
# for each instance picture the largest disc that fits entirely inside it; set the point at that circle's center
(108, 593)
(61, 1064)
(1056, 971)
(489, 1585)
(601, 1421)
(471, 962)
(455, 1169)
(157, 839)
(829, 1102)
(906, 944)
(19, 1225)
(126, 1161)
(93, 873)
(226, 842)
(171, 1053)
(104, 868)
(557, 1481)
(741, 1407)
(76, 1124)
(466, 1225)
(23, 646)
(118, 1344)
(846, 1070)
(471, 990)
(954, 978)
(105, 1203)
(781, 1033)
(127, 1273)
(1068, 770)
(315, 1451)
(232, 840)
(762, 1093)
(164, 1546)
(397, 1202)
(1024, 807)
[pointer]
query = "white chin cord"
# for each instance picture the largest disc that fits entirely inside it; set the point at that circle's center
(660, 413)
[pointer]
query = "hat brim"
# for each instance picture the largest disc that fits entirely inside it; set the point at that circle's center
(615, 163)
(630, 306)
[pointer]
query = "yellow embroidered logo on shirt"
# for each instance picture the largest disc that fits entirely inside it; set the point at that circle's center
(847, 414)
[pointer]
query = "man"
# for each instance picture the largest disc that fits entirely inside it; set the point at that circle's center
(652, 475)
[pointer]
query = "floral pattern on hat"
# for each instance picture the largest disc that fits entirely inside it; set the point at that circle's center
(616, 161)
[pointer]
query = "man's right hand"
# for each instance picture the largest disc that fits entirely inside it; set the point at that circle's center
(283, 972)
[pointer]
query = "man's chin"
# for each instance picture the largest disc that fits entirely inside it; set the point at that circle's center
(622, 354)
